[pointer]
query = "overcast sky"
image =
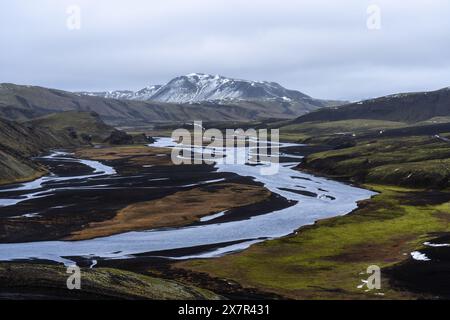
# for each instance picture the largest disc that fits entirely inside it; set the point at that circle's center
(322, 48)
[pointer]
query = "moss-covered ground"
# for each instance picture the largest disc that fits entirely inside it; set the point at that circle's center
(420, 161)
(329, 260)
(42, 281)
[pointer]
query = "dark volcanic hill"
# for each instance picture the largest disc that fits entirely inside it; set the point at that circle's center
(20, 142)
(81, 127)
(406, 107)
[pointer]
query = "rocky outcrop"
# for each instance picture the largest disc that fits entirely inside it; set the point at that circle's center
(119, 138)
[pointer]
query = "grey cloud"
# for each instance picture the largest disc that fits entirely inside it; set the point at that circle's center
(322, 48)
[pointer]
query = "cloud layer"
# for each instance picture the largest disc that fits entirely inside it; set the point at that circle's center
(322, 48)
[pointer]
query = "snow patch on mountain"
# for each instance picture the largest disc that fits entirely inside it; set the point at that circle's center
(141, 95)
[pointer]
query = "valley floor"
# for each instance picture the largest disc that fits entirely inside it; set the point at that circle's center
(403, 230)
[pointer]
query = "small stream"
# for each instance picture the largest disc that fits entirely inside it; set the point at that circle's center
(37, 187)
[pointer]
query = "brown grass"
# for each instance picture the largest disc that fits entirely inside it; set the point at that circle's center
(139, 155)
(181, 208)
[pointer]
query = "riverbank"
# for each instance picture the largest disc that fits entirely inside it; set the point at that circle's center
(32, 175)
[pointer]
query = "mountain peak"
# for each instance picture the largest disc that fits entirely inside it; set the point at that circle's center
(201, 87)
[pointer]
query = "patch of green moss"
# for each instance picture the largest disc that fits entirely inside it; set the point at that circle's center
(410, 161)
(319, 132)
(325, 260)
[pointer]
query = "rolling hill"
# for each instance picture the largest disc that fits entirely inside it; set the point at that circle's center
(20, 142)
(81, 126)
(406, 107)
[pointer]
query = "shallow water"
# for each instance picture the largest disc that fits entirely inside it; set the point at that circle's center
(339, 199)
(98, 169)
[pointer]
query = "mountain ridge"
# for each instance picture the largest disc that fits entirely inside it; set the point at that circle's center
(21, 103)
(200, 87)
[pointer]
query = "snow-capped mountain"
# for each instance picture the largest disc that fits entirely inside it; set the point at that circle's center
(198, 87)
(203, 87)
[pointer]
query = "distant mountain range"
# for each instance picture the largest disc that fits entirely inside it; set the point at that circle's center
(199, 87)
(186, 98)
(216, 98)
